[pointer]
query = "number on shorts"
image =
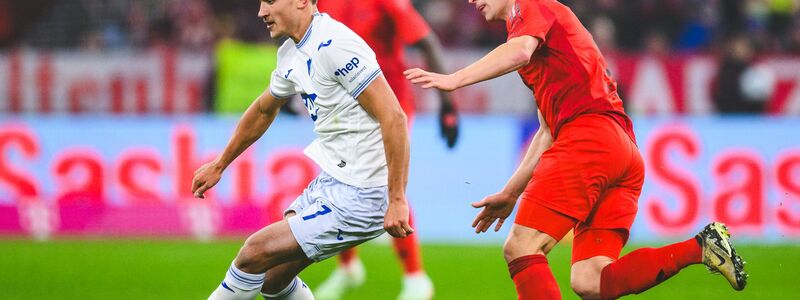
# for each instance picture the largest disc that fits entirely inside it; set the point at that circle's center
(324, 211)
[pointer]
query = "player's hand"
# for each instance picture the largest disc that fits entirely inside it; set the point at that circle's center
(205, 177)
(432, 80)
(396, 220)
(448, 122)
(496, 207)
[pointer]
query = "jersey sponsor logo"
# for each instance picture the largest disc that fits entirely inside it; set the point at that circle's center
(324, 44)
(350, 66)
(287, 73)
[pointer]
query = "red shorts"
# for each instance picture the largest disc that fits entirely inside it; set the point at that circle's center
(589, 181)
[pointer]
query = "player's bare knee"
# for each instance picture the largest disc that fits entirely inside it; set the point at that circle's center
(585, 287)
(585, 277)
(513, 249)
(252, 256)
(249, 258)
(527, 242)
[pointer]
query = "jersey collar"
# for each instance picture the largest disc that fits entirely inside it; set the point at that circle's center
(308, 31)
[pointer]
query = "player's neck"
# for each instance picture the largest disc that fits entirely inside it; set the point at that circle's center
(508, 11)
(302, 27)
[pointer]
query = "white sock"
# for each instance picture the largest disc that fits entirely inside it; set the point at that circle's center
(297, 290)
(238, 285)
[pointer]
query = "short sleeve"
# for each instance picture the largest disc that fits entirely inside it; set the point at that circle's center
(350, 63)
(280, 86)
(410, 25)
(530, 18)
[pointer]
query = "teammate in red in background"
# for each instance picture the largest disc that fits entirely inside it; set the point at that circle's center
(388, 26)
(582, 171)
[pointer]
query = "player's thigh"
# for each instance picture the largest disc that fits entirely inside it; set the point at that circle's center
(536, 230)
(608, 227)
(524, 241)
(532, 214)
(274, 244)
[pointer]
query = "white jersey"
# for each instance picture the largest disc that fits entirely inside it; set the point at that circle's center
(330, 67)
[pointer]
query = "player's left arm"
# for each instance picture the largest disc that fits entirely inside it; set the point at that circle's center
(508, 57)
(370, 89)
(380, 102)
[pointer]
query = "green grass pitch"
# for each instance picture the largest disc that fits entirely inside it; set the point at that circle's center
(147, 269)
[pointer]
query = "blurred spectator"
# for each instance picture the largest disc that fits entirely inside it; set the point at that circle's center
(193, 22)
(698, 31)
(656, 44)
(604, 33)
(732, 17)
(781, 21)
(6, 22)
(794, 41)
(160, 33)
(739, 88)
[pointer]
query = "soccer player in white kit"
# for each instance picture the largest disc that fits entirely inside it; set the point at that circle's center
(361, 147)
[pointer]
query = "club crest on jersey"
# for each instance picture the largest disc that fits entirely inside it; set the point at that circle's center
(350, 66)
(324, 44)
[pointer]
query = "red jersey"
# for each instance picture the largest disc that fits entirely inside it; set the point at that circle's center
(567, 73)
(387, 26)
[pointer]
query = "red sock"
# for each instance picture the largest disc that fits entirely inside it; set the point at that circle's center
(533, 278)
(644, 268)
(347, 256)
(407, 250)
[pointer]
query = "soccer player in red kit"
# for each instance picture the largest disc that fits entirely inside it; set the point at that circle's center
(582, 171)
(388, 26)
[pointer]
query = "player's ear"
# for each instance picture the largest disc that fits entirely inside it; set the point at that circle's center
(301, 4)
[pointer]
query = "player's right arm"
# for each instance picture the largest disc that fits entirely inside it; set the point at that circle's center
(499, 206)
(254, 122)
(508, 57)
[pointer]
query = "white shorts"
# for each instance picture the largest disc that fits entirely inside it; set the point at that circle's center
(333, 216)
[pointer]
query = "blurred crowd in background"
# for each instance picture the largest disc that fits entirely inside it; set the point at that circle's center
(735, 31)
(624, 25)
